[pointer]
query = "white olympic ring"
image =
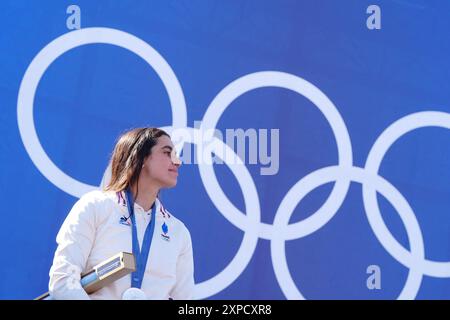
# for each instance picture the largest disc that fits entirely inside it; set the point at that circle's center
(343, 174)
(291, 82)
(47, 56)
(376, 154)
(329, 174)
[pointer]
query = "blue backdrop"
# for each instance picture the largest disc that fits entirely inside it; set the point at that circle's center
(373, 78)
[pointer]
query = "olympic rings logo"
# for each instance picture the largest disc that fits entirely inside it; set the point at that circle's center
(342, 173)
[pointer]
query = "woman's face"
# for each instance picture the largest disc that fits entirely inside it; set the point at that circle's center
(161, 166)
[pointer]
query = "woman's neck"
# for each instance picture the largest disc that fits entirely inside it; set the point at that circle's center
(146, 194)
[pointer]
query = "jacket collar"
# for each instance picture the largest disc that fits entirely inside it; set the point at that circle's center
(121, 200)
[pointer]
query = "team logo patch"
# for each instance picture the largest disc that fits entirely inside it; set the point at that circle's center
(165, 230)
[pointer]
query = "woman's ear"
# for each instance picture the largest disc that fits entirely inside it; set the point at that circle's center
(144, 161)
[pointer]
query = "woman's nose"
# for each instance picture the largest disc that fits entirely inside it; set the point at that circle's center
(175, 159)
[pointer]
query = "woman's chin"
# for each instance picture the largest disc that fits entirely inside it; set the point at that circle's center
(170, 183)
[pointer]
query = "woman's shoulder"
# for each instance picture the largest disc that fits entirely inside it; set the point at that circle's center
(97, 205)
(98, 197)
(97, 201)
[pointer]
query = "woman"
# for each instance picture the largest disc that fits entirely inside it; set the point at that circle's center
(104, 223)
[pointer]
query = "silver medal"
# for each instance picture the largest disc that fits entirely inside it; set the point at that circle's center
(134, 294)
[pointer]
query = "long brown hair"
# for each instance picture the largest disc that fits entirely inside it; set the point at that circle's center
(130, 152)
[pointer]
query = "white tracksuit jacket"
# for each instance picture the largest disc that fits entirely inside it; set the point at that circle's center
(96, 229)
